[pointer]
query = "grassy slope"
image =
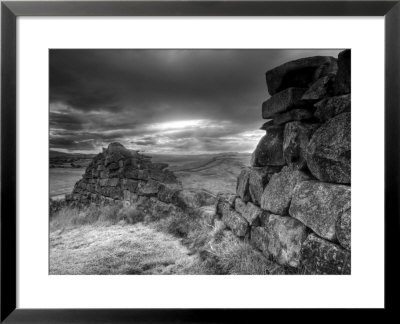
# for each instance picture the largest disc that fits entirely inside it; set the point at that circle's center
(119, 249)
(118, 240)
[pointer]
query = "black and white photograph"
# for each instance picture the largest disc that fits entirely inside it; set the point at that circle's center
(199, 161)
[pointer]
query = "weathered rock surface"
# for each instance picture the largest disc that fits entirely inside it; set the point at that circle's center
(320, 89)
(283, 101)
(286, 236)
(295, 140)
(252, 214)
(242, 185)
(225, 202)
(259, 177)
(269, 150)
(240, 206)
(299, 73)
(328, 153)
(235, 222)
(343, 229)
(149, 188)
(260, 239)
(168, 194)
(343, 77)
(319, 205)
(249, 211)
(321, 257)
(278, 193)
(291, 115)
(330, 107)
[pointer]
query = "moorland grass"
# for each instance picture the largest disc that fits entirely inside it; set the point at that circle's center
(125, 240)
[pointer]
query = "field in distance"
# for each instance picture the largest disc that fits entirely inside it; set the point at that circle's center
(212, 172)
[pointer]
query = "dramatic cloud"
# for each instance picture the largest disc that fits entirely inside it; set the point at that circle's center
(170, 101)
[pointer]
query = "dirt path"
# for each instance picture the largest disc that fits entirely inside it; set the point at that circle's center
(119, 249)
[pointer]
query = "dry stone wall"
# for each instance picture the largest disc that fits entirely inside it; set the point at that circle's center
(119, 175)
(294, 202)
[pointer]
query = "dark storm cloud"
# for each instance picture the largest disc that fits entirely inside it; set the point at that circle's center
(99, 96)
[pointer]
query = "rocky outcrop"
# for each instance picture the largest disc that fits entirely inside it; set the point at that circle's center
(295, 199)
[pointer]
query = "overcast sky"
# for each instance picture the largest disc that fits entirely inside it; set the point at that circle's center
(161, 101)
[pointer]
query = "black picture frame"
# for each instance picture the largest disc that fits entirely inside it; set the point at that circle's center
(10, 10)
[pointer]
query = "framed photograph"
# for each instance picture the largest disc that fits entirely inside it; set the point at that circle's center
(163, 158)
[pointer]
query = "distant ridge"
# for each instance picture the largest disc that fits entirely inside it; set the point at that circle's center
(58, 154)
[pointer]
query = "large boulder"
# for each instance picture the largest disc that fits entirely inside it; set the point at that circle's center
(343, 77)
(330, 107)
(321, 257)
(320, 89)
(328, 153)
(286, 236)
(299, 73)
(258, 179)
(343, 229)
(242, 185)
(295, 140)
(278, 193)
(295, 114)
(283, 101)
(319, 205)
(235, 222)
(269, 150)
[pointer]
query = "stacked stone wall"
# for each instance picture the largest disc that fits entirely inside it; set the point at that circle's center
(118, 175)
(294, 202)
